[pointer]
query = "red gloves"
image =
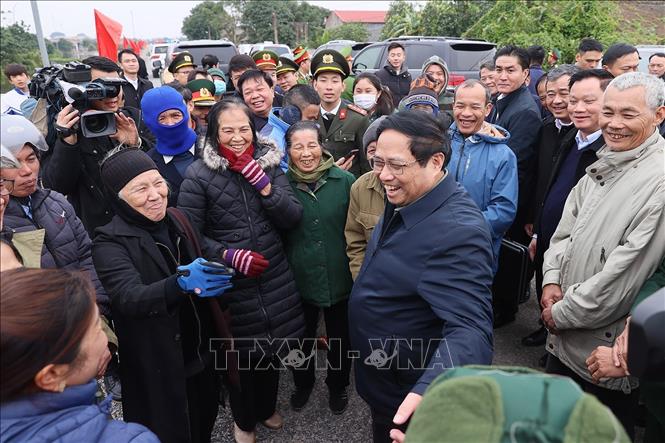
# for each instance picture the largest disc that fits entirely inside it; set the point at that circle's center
(252, 264)
(251, 170)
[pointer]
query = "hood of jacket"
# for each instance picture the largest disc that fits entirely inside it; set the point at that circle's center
(436, 60)
(481, 138)
(266, 154)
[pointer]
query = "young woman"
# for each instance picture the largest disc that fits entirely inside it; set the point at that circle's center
(369, 94)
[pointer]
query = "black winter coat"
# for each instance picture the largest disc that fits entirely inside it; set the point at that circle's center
(66, 243)
(158, 326)
(399, 83)
(230, 213)
(132, 96)
(519, 114)
(73, 170)
(548, 148)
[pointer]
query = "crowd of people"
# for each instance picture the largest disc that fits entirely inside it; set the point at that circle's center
(189, 256)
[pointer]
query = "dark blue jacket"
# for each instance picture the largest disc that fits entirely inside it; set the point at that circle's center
(426, 276)
(70, 416)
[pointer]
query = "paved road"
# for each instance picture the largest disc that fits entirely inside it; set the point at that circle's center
(316, 423)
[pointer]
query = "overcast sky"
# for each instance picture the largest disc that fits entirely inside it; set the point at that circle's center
(140, 19)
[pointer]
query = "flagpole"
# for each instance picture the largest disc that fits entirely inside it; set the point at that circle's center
(40, 34)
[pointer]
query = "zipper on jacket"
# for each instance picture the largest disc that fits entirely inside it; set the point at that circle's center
(459, 163)
(255, 247)
(196, 314)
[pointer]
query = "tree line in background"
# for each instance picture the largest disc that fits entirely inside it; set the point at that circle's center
(552, 24)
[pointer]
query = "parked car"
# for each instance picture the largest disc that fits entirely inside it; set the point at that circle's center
(244, 48)
(223, 49)
(463, 56)
(337, 45)
(158, 54)
(647, 51)
(279, 49)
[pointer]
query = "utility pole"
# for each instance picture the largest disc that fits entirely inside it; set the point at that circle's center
(274, 27)
(40, 34)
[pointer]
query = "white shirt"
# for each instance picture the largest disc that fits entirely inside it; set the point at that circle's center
(583, 142)
(10, 102)
(168, 158)
(134, 83)
(334, 111)
(559, 124)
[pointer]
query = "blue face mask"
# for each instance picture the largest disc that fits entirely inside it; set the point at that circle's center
(220, 87)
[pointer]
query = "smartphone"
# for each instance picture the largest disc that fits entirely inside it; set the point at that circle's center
(352, 152)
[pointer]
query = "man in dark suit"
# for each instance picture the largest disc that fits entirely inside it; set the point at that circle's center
(136, 86)
(516, 111)
(578, 150)
(555, 127)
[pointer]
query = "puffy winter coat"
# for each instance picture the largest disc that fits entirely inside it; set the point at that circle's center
(66, 243)
(230, 213)
(487, 169)
(275, 131)
(72, 416)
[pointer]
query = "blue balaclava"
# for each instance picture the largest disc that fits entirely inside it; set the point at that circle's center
(171, 140)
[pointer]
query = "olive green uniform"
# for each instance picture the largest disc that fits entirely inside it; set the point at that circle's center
(345, 134)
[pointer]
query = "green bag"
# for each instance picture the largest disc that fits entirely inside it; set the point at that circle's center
(485, 404)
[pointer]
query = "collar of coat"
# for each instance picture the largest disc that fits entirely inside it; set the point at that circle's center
(427, 204)
(266, 154)
(611, 163)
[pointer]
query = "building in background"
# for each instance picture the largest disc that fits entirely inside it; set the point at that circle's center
(372, 20)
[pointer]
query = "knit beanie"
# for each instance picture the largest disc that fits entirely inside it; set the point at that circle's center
(371, 132)
(122, 166)
(171, 140)
(422, 93)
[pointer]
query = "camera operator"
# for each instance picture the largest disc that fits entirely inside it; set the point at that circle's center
(72, 167)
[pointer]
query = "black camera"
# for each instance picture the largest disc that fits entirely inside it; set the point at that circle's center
(73, 84)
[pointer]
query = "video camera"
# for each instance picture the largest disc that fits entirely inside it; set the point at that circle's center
(73, 84)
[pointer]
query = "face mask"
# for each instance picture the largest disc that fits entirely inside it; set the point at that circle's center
(365, 101)
(220, 87)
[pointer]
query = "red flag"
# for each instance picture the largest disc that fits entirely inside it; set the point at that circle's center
(108, 35)
(125, 43)
(135, 46)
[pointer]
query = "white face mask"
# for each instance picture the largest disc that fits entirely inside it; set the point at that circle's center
(365, 101)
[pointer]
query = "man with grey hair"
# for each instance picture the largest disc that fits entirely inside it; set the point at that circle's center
(610, 239)
(555, 127)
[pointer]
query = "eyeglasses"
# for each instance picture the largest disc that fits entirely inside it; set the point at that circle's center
(377, 165)
(6, 186)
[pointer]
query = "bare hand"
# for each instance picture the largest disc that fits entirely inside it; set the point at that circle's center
(528, 228)
(548, 321)
(532, 248)
(345, 163)
(620, 349)
(126, 133)
(404, 412)
(491, 130)
(67, 118)
(600, 365)
(551, 294)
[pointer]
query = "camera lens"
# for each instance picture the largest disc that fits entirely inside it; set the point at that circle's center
(96, 123)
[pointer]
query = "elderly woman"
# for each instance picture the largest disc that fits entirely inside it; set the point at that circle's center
(366, 205)
(164, 327)
(239, 198)
(316, 252)
(53, 347)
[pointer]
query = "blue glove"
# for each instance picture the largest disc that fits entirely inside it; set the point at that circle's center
(204, 278)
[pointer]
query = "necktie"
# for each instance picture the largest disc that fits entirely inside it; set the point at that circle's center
(328, 119)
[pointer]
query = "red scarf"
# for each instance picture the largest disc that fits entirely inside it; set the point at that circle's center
(231, 156)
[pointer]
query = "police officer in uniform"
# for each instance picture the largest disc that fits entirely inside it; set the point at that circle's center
(342, 124)
(181, 66)
(302, 59)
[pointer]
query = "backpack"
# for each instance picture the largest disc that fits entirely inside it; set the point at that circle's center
(485, 404)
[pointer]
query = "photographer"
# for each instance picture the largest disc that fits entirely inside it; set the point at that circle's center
(72, 165)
